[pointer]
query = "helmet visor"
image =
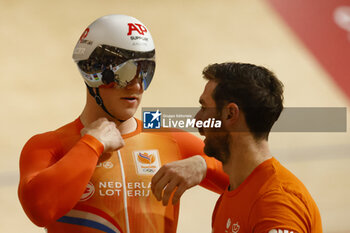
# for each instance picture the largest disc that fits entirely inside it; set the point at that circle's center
(108, 64)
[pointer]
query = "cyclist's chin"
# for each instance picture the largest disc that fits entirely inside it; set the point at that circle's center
(126, 113)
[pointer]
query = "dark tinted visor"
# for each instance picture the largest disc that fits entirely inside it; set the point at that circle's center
(110, 64)
(105, 56)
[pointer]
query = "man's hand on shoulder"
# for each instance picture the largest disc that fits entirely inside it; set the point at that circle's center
(106, 132)
(180, 176)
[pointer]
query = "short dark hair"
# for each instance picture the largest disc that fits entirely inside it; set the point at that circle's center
(255, 89)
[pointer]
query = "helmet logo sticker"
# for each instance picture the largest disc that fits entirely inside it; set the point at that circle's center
(136, 27)
(84, 35)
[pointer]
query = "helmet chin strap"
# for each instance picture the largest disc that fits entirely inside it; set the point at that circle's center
(99, 101)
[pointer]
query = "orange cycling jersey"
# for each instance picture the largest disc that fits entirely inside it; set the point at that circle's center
(68, 185)
(270, 198)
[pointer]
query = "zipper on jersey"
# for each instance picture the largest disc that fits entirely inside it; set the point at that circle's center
(125, 200)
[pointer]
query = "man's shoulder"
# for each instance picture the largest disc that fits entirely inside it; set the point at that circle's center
(73, 127)
(283, 188)
(50, 138)
(286, 205)
(287, 182)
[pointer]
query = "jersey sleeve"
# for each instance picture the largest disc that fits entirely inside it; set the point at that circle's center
(216, 180)
(281, 211)
(52, 183)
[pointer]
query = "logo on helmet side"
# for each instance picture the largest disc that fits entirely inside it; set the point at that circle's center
(84, 35)
(140, 29)
(82, 39)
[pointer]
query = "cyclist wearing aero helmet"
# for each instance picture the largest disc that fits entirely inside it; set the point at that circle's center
(94, 174)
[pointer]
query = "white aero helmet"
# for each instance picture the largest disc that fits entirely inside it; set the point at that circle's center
(115, 49)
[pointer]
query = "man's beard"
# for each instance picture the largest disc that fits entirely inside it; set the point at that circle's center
(218, 145)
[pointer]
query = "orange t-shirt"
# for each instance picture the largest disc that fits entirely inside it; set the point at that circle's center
(68, 185)
(270, 198)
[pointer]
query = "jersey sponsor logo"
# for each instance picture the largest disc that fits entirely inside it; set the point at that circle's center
(133, 189)
(89, 191)
(147, 162)
(146, 158)
(152, 119)
(280, 231)
(234, 228)
(107, 165)
(228, 224)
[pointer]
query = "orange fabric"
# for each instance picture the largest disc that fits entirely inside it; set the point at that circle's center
(270, 198)
(216, 179)
(68, 185)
